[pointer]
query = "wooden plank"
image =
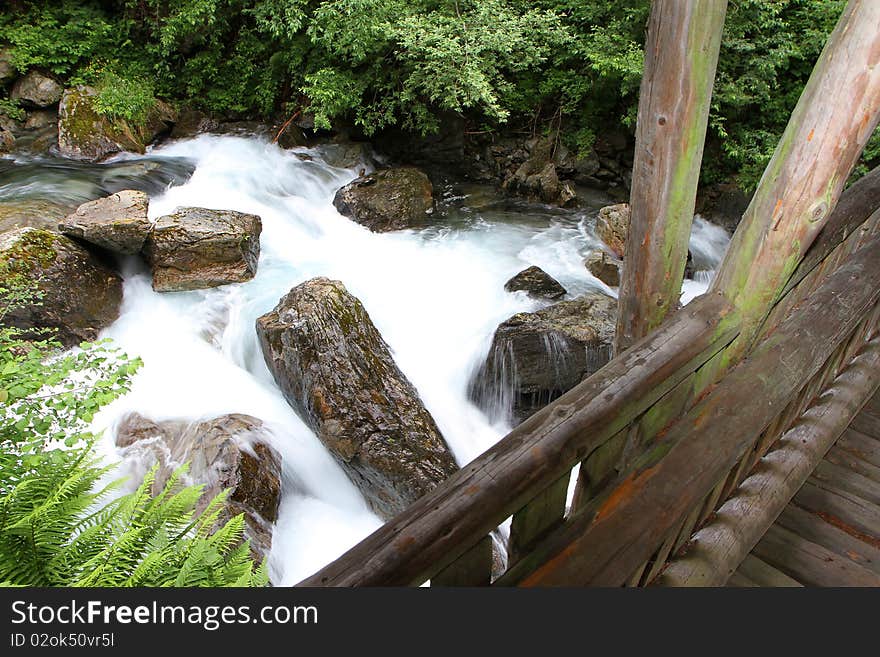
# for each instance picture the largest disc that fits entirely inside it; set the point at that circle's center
(842, 509)
(763, 574)
(603, 544)
(867, 424)
(473, 568)
(874, 404)
(856, 205)
(811, 527)
(718, 548)
(740, 581)
(681, 54)
(441, 525)
(862, 446)
(849, 481)
(828, 129)
(538, 516)
(810, 563)
(844, 458)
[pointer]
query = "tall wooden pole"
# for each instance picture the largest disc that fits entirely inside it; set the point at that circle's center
(681, 54)
(836, 114)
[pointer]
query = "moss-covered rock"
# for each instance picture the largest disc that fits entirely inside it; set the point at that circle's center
(390, 199)
(335, 369)
(80, 294)
(86, 134)
(31, 213)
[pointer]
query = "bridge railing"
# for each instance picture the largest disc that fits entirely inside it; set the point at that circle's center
(659, 436)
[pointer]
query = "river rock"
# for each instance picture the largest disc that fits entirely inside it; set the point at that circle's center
(80, 293)
(537, 177)
(612, 227)
(41, 119)
(604, 267)
(36, 90)
(335, 369)
(195, 248)
(84, 134)
(537, 283)
(192, 122)
(230, 451)
(389, 199)
(117, 222)
(536, 357)
(7, 141)
(348, 154)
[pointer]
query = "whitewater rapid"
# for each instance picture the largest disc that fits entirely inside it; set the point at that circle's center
(435, 294)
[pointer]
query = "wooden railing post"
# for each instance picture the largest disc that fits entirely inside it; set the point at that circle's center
(681, 54)
(835, 115)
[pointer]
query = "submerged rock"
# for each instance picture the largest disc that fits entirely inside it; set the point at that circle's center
(537, 283)
(117, 222)
(31, 213)
(80, 294)
(335, 369)
(230, 451)
(536, 357)
(604, 267)
(389, 199)
(612, 227)
(195, 248)
(85, 134)
(36, 90)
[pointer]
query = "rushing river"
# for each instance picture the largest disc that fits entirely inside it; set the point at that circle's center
(436, 295)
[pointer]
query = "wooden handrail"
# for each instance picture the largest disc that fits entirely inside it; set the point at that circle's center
(617, 532)
(454, 517)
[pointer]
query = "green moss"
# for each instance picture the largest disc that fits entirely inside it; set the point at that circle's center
(36, 249)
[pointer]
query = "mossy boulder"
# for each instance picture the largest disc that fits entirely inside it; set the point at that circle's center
(389, 199)
(86, 134)
(536, 357)
(335, 369)
(117, 222)
(227, 452)
(537, 283)
(80, 293)
(196, 248)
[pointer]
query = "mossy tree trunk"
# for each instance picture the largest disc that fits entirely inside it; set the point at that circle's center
(681, 54)
(833, 120)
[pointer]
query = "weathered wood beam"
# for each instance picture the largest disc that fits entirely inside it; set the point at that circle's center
(833, 120)
(681, 55)
(442, 525)
(616, 533)
(717, 549)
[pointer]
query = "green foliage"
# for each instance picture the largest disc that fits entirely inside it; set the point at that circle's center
(54, 529)
(12, 109)
(568, 65)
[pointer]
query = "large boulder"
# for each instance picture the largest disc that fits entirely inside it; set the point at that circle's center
(36, 90)
(7, 141)
(231, 451)
(347, 154)
(536, 357)
(537, 283)
(80, 293)
(537, 177)
(335, 369)
(86, 134)
(195, 248)
(604, 267)
(117, 222)
(389, 199)
(612, 227)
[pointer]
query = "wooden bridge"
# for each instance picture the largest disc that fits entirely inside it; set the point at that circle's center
(732, 441)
